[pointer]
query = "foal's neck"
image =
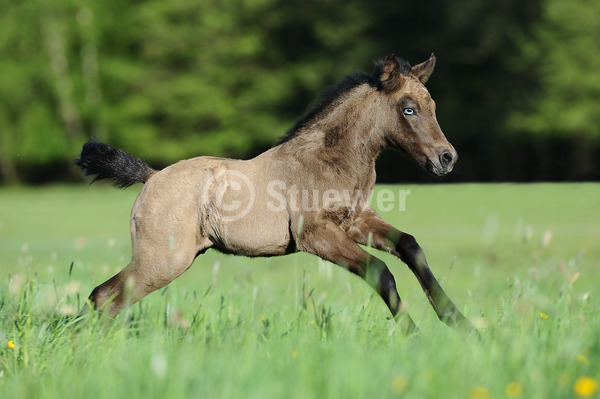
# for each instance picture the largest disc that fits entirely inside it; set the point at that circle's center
(346, 131)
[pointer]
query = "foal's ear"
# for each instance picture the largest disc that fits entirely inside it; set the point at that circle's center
(424, 70)
(391, 75)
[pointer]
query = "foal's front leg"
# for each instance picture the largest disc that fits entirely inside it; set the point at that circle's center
(370, 229)
(329, 242)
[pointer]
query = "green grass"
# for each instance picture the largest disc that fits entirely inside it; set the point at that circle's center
(296, 327)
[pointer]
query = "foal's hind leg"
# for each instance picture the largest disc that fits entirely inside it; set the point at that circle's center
(138, 279)
(158, 259)
(329, 242)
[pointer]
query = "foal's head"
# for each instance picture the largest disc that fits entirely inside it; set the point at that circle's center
(412, 126)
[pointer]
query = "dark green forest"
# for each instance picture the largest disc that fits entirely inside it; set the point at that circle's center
(517, 83)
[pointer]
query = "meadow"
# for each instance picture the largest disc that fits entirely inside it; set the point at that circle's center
(521, 261)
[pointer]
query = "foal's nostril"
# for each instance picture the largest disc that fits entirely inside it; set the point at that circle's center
(446, 159)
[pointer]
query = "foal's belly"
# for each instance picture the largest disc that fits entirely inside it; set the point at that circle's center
(253, 236)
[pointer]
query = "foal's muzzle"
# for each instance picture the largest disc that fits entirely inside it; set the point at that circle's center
(444, 163)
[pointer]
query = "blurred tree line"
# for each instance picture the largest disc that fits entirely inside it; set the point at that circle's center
(517, 83)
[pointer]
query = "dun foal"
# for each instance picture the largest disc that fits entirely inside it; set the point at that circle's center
(309, 193)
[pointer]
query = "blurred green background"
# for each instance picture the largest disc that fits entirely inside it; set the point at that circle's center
(517, 82)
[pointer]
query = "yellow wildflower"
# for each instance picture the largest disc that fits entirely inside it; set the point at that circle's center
(263, 317)
(312, 323)
(294, 353)
(543, 315)
(479, 392)
(585, 387)
(581, 358)
(514, 389)
(399, 384)
(11, 345)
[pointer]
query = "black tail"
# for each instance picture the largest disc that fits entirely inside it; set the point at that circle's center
(107, 162)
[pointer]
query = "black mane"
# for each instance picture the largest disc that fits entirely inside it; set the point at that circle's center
(334, 92)
(404, 65)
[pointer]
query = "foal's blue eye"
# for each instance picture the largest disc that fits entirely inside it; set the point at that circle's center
(409, 111)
